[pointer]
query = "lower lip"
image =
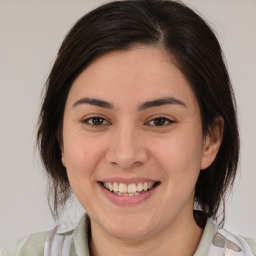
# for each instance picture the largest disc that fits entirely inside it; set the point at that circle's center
(128, 200)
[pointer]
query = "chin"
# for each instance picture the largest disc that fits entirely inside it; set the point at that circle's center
(130, 228)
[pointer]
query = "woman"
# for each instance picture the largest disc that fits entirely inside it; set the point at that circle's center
(139, 122)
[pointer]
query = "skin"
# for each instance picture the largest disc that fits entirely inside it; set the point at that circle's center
(128, 144)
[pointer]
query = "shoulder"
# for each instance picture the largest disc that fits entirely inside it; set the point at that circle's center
(32, 245)
(233, 242)
(252, 244)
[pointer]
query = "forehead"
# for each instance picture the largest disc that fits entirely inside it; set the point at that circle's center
(138, 74)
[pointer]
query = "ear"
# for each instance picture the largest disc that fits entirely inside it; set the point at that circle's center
(62, 155)
(212, 142)
(63, 159)
(60, 141)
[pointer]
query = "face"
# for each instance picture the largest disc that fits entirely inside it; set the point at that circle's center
(132, 125)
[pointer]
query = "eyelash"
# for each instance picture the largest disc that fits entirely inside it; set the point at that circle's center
(87, 121)
(160, 118)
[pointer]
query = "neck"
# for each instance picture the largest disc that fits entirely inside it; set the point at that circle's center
(180, 238)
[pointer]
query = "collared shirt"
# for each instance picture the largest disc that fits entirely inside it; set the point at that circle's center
(214, 242)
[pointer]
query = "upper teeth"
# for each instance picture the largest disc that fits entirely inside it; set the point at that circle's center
(130, 188)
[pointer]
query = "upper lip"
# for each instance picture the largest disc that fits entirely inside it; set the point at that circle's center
(127, 180)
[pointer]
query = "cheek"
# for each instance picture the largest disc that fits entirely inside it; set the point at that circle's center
(81, 155)
(179, 156)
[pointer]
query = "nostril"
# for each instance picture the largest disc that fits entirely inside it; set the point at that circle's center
(127, 155)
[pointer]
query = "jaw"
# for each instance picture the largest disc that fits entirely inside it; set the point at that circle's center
(131, 219)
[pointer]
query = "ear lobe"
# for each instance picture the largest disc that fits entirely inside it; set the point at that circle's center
(212, 142)
(60, 140)
(62, 155)
(63, 159)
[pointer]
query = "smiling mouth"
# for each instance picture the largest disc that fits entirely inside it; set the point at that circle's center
(132, 189)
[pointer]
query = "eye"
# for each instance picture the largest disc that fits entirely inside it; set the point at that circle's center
(95, 121)
(160, 121)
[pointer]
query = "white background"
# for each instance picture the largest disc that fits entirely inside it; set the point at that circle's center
(30, 35)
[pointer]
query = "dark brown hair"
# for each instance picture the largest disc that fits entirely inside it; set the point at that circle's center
(185, 35)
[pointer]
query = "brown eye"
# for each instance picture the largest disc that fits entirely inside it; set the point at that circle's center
(95, 121)
(160, 121)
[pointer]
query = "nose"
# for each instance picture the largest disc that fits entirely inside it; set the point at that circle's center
(126, 149)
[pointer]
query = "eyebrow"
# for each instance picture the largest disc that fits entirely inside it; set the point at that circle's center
(143, 106)
(94, 102)
(161, 102)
